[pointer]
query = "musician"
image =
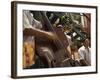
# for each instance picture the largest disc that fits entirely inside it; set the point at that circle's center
(85, 52)
(31, 29)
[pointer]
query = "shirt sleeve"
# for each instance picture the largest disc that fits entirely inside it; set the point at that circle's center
(37, 24)
(29, 21)
(26, 23)
(81, 52)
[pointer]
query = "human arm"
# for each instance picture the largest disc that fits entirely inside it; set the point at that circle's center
(39, 33)
(32, 30)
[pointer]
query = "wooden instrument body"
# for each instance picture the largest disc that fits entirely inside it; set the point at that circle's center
(59, 46)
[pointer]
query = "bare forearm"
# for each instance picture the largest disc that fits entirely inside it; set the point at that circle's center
(39, 33)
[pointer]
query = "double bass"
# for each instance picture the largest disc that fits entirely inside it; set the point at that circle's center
(59, 56)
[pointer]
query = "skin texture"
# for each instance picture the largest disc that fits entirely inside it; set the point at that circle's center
(39, 33)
